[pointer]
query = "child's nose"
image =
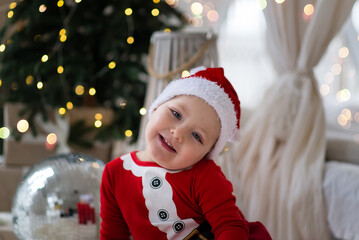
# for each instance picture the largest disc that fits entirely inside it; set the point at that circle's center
(176, 133)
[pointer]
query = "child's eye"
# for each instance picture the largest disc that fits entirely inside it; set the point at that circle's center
(197, 137)
(176, 114)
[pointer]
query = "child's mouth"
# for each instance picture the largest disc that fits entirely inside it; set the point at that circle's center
(167, 145)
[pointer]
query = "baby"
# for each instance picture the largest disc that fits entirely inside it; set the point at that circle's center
(173, 189)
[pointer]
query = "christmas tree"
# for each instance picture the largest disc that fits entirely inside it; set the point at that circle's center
(73, 53)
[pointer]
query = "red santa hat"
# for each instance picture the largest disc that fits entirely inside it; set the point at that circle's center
(213, 87)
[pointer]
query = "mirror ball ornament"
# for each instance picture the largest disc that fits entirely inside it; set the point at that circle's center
(59, 198)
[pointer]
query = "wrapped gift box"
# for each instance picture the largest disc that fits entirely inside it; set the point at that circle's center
(10, 177)
(33, 149)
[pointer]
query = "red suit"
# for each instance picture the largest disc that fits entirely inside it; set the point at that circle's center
(148, 202)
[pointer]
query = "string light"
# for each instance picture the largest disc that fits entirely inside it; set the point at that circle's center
(336, 69)
(343, 95)
(212, 15)
(155, 12)
(343, 52)
(60, 69)
(279, 1)
(95, 165)
(128, 133)
(69, 105)
(44, 58)
(13, 5)
(324, 89)
(92, 91)
(0, 82)
(98, 123)
(62, 111)
(196, 8)
(112, 65)
(79, 90)
(4, 132)
(29, 80)
(78, 1)
(185, 73)
(128, 11)
(130, 40)
(10, 14)
(22, 125)
(51, 139)
(143, 111)
(167, 30)
(156, 1)
(98, 116)
(170, 2)
(42, 8)
(2, 47)
(60, 3)
(39, 85)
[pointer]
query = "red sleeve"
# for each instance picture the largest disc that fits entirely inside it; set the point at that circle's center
(214, 195)
(113, 226)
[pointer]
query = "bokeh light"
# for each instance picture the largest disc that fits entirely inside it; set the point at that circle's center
(22, 125)
(197, 8)
(62, 111)
(343, 95)
(79, 90)
(128, 133)
(343, 52)
(98, 123)
(42, 8)
(4, 132)
(92, 91)
(143, 111)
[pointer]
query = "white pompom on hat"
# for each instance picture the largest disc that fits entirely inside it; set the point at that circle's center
(213, 87)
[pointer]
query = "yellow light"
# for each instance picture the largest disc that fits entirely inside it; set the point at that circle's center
(44, 58)
(63, 38)
(346, 112)
(78, 1)
(69, 105)
(343, 52)
(92, 91)
(279, 1)
(81, 159)
(156, 1)
(60, 3)
(185, 73)
(112, 65)
(128, 11)
(167, 30)
(60, 69)
(10, 14)
(143, 111)
(79, 90)
(155, 12)
(13, 5)
(197, 8)
(2, 47)
(62, 111)
(29, 80)
(98, 116)
(98, 123)
(40, 85)
(130, 40)
(42, 8)
(0, 82)
(62, 32)
(22, 125)
(308, 9)
(342, 120)
(128, 133)
(4, 132)
(51, 138)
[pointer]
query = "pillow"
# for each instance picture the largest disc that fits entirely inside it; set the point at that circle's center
(342, 132)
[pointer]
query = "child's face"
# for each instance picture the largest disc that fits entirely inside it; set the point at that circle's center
(181, 132)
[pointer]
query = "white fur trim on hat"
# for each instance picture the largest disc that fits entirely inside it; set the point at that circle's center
(211, 93)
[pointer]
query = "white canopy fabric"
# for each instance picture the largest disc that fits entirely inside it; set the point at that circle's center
(277, 166)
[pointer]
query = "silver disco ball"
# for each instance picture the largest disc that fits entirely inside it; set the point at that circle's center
(59, 199)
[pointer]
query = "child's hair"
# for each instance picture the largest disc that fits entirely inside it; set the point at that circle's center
(213, 87)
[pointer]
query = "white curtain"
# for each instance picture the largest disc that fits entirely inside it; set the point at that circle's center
(277, 166)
